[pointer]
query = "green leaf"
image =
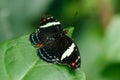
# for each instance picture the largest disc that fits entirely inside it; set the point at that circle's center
(112, 40)
(111, 69)
(18, 61)
(70, 31)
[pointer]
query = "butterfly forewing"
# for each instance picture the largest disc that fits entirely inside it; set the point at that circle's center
(70, 53)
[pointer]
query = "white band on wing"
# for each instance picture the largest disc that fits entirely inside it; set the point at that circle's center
(49, 24)
(68, 51)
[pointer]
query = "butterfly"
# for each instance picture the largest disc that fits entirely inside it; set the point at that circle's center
(53, 45)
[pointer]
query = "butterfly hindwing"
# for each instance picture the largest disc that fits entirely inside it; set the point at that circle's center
(48, 51)
(35, 38)
(43, 54)
(62, 50)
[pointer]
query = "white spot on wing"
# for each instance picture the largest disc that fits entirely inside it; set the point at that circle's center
(77, 59)
(68, 51)
(49, 24)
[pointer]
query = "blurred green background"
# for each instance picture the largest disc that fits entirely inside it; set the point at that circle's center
(96, 29)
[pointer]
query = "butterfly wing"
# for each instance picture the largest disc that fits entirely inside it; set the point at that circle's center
(48, 51)
(62, 50)
(35, 38)
(70, 54)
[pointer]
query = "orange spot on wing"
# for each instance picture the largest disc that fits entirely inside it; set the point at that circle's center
(65, 31)
(39, 45)
(44, 20)
(73, 64)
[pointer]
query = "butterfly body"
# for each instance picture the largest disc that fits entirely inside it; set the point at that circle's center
(52, 44)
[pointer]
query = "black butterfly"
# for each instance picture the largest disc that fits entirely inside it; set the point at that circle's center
(52, 44)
